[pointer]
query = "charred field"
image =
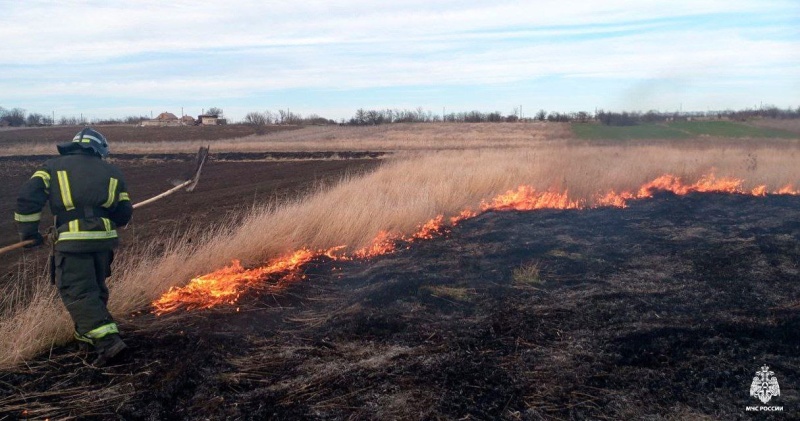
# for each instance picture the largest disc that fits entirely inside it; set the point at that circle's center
(662, 310)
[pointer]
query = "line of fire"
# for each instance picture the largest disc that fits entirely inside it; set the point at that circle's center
(226, 285)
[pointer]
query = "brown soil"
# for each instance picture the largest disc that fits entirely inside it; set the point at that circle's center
(664, 310)
(227, 188)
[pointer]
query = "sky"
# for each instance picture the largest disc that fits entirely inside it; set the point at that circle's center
(107, 59)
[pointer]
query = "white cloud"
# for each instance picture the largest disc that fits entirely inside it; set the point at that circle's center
(161, 50)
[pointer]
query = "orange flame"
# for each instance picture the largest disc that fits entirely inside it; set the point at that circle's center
(788, 189)
(383, 243)
(226, 285)
(526, 198)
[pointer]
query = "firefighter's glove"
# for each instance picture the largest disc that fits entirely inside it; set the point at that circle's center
(37, 240)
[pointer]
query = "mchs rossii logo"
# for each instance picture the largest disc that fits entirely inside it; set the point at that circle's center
(765, 387)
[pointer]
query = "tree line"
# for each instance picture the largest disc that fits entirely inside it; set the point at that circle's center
(263, 118)
(364, 117)
(18, 117)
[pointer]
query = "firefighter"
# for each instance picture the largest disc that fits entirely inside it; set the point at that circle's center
(89, 200)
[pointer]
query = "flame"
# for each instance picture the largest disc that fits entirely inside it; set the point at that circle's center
(226, 285)
(383, 243)
(788, 189)
(526, 198)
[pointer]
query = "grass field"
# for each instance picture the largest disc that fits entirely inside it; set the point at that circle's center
(508, 313)
(398, 197)
(394, 137)
(729, 129)
(679, 130)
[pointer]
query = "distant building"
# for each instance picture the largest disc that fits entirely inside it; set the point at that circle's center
(168, 119)
(163, 119)
(208, 120)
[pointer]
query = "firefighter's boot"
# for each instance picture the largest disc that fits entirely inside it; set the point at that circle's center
(107, 348)
(85, 344)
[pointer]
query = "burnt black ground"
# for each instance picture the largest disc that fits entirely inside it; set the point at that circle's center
(664, 310)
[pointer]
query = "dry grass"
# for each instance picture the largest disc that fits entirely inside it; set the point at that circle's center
(397, 137)
(405, 192)
(792, 125)
(450, 293)
(527, 274)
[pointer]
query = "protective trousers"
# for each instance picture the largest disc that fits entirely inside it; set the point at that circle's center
(81, 282)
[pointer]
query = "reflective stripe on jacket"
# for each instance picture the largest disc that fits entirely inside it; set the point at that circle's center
(87, 195)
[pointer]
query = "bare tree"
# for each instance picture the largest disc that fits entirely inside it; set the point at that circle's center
(255, 119)
(215, 111)
(15, 116)
(582, 116)
(34, 119)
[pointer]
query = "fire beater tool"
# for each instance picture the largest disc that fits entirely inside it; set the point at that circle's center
(188, 185)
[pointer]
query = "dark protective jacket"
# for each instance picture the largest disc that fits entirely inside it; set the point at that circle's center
(87, 195)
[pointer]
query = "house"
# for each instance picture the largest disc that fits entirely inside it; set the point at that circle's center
(163, 119)
(208, 120)
(187, 120)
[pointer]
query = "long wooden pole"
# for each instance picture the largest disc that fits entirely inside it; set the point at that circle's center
(15, 246)
(163, 195)
(22, 244)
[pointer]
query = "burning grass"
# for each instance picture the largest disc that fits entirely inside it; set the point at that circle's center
(406, 200)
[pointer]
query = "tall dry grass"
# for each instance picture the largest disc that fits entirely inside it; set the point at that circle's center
(400, 195)
(396, 137)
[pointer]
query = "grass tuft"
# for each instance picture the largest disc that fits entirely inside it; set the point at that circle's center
(452, 293)
(527, 274)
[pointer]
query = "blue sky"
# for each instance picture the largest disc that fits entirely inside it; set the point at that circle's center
(115, 58)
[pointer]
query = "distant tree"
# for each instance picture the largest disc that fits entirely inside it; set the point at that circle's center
(374, 117)
(360, 118)
(68, 121)
(34, 120)
(133, 119)
(541, 115)
(215, 111)
(582, 116)
(255, 119)
(495, 117)
(315, 119)
(15, 117)
(293, 118)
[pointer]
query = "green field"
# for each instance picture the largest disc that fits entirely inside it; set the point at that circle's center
(676, 130)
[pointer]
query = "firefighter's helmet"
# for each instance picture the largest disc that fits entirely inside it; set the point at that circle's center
(87, 138)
